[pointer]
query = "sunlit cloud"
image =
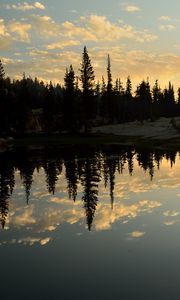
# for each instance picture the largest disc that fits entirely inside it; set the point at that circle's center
(2, 28)
(5, 42)
(21, 30)
(168, 27)
(131, 8)
(99, 28)
(25, 6)
(63, 44)
(164, 18)
(45, 26)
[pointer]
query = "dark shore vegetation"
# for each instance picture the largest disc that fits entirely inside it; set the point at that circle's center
(31, 109)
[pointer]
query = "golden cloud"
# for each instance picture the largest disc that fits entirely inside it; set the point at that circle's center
(21, 30)
(131, 8)
(99, 28)
(167, 27)
(25, 6)
(63, 44)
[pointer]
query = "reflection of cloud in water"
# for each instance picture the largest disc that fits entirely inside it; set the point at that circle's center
(170, 223)
(105, 216)
(28, 241)
(136, 234)
(24, 217)
(172, 213)
(47, 213)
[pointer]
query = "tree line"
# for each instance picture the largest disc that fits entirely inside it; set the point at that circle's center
(102, 164)
(30, 105)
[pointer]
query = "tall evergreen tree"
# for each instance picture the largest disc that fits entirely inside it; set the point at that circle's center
(111, 100)
(69, 100)
(109, 76)
(4, 110)
(87, 79)
(2, 74)
(128, 91)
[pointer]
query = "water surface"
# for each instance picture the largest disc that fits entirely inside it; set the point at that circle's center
(89, 223)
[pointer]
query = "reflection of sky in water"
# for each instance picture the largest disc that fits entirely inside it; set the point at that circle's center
(131, 252)
(135, 197)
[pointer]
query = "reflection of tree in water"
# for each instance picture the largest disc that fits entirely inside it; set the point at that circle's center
(89, 180)
(52, 172)
(6, 188)
(130, 155)
(71, 177)
(146, 161)
(26, 174)
(86, 166)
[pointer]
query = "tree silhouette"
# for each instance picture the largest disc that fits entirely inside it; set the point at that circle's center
(6, 188)
(90, 179)
(71, 177)
(2, 75)
(109, 93)
(87, 80)
(69, 107)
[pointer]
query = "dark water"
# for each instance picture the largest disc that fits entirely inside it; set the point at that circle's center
(89, 223)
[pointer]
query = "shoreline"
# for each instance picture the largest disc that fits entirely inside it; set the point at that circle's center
(160, 134)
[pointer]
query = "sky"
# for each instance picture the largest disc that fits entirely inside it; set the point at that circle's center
(43, 38)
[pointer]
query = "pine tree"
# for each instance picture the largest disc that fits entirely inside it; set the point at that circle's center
(178, 101)
(128, 91)
(87, 80)
(109, 76)
(87, 74)
(69, 80)
(111, 105)
(69, 100)
(156, 92)
(2, 74)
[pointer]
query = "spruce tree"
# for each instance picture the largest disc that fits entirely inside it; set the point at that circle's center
(87, 80)
(109, 76)
(111, 107)
(69, 100)
(2, 74)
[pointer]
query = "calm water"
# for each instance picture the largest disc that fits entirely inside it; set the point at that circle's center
(89, 223)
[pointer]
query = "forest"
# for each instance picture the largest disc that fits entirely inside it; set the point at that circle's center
(32, 106)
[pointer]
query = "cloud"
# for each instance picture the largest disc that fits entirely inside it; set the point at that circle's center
(5, 43)
(25, 6)
(131, 8)
(2, 28)
(62, 44)
(73, 30)
(168, 27)
(164, 18)
(5, 38)
(39, 5)
(100, 29)
(45, 26)
(21, 30)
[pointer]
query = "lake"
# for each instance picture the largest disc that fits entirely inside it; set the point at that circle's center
(89, 222)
